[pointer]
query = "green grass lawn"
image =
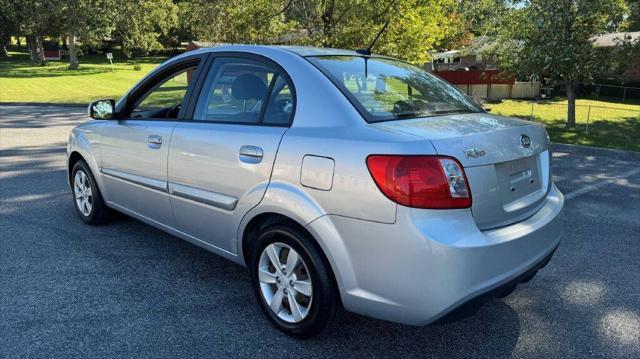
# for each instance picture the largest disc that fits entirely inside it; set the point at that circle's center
(616, 126)
(22, 81)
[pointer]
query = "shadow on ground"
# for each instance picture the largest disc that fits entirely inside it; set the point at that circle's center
(29, 117)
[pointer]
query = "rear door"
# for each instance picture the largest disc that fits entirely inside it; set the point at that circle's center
(136, 146)
(220, 161)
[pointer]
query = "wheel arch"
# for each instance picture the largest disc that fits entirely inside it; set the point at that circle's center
(256, 224)
(76, 155)
(281, 201)
(341, 270)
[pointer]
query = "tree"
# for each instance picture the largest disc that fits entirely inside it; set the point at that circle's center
(239, 21)
(415, 26)
(29, 18)
(553, 38)
(36, 25)
(85, 20)
(632, 22)
(472, 19)
(484, 17)
(8, 25)
(139, 24)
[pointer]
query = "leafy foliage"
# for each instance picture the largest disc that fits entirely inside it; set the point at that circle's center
(416, 26)
(632, 21)
(553, 38)
(484, 17)
(90, 20)
(140, 23)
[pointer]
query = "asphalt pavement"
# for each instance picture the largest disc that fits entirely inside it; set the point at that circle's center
(128, 290)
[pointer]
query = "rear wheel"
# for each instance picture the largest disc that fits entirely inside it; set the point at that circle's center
(87, 198)
(292, 282)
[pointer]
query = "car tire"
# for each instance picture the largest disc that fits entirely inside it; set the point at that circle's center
(87, 199)
(312, 275)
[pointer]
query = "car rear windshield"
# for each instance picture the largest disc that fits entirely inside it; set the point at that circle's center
(384, 89)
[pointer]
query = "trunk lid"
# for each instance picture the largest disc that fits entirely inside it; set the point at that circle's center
(506, 161)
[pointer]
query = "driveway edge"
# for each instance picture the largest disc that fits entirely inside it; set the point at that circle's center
(596, 151)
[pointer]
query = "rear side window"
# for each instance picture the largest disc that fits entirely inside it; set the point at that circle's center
(280, 105)
(245, 91)
(384, 89)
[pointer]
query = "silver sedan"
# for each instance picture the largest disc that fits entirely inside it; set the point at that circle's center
(338, 178)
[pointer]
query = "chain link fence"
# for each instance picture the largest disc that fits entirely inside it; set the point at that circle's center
(596, 91)
(600, 123)
(585, 114)
(596, 125)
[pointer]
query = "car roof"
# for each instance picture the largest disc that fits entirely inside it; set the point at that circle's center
(303, 51)
(318, 51)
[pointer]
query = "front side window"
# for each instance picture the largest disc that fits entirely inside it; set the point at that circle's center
(165, 98)
(245, 91)
(388, 89)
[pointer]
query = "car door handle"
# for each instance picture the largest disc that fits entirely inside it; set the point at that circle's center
(154, 139)
(251, 154)
(154, 142)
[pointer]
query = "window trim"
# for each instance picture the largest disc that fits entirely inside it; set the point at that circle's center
(368, 117)
(195, 96)
(267, 100)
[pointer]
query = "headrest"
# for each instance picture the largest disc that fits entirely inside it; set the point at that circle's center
(248, 86)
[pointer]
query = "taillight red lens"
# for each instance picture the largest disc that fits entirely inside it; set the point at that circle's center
(434, 182)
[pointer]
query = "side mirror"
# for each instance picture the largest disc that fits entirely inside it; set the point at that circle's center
(102, 109)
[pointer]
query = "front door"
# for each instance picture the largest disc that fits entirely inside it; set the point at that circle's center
(135, 147)
(220, 162)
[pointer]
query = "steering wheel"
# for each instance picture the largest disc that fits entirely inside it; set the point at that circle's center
(174, 110)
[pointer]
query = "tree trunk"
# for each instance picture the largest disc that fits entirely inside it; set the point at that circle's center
(3, 47)
(40, 51)
(327, 24)
(73, 56)
(571, 108)
(31, 45)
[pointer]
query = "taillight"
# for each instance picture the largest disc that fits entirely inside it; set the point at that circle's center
(435, 182)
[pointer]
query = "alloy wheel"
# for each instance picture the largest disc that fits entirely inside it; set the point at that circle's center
(285, 282)
(82, 193)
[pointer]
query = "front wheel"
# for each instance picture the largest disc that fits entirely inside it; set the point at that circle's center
(292, 282)
(87, 198)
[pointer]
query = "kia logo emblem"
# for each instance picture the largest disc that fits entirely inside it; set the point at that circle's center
(525, 141)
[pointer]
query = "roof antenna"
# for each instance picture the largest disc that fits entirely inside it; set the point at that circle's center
(367, 51)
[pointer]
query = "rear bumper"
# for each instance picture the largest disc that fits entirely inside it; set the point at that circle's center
(429, 263)
(472, 305)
